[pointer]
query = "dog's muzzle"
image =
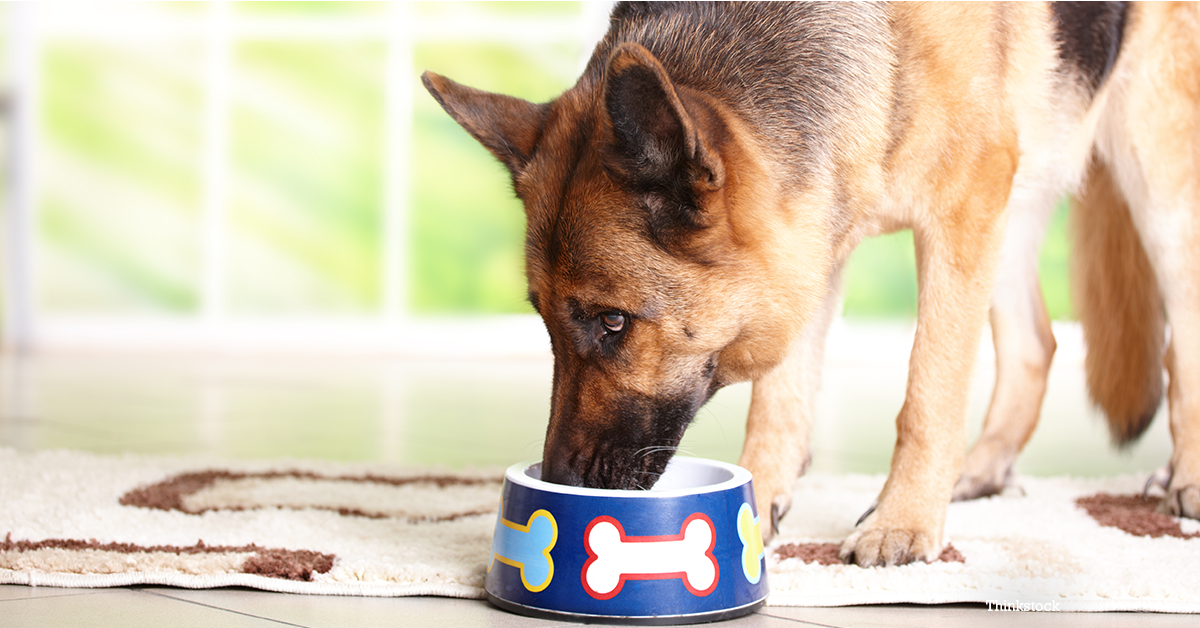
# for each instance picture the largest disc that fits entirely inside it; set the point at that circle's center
(630, 452)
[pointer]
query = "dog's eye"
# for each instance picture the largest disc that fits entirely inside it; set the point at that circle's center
(613, 321)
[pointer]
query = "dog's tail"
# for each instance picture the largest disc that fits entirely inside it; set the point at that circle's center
(1117, 300)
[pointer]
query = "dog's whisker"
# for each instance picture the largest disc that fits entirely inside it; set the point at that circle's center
(646, 451)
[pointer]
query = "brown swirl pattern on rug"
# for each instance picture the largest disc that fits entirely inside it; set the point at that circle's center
(1133, 514)
(93, 557)
(827, 553)
(371, 496)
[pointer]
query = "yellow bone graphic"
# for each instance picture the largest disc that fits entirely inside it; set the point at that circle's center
(753, 551)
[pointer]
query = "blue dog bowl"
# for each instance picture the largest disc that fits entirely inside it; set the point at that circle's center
(687, 551)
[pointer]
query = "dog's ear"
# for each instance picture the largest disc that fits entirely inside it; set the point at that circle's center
(656, 141)
(508, 127)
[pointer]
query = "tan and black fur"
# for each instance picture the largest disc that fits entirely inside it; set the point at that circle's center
(692, 199)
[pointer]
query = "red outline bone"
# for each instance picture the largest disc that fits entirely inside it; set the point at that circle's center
(592, 557)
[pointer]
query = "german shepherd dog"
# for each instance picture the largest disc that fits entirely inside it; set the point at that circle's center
(692, 200)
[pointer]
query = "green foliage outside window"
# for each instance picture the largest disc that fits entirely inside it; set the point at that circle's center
(121, 185)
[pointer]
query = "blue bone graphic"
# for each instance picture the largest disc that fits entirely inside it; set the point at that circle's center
(527, 547)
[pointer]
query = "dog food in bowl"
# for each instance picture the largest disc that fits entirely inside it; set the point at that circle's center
(689, 550)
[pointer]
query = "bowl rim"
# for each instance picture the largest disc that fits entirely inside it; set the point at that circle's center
(739, 477)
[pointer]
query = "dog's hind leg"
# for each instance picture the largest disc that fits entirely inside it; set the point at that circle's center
(1183, 490)
(1168, 221)
(779, 424)
(1178, 263)
(1176, 259)
(1024, 346)
(1151, 142)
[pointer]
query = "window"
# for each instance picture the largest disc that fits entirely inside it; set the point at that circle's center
(231, 173)
(210, 170)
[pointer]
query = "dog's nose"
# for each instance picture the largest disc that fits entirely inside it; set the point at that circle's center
(557, 470)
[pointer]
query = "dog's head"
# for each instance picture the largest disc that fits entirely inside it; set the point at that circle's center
(656, 283)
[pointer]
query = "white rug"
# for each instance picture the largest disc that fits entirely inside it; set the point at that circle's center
(70, 519)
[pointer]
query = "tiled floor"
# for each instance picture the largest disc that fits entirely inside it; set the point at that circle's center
(483, 412)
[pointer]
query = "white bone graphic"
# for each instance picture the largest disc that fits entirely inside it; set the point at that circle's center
(616, 557)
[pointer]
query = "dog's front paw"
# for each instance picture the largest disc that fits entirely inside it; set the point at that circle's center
(773, 503)
(773, 486)
(886, 546)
